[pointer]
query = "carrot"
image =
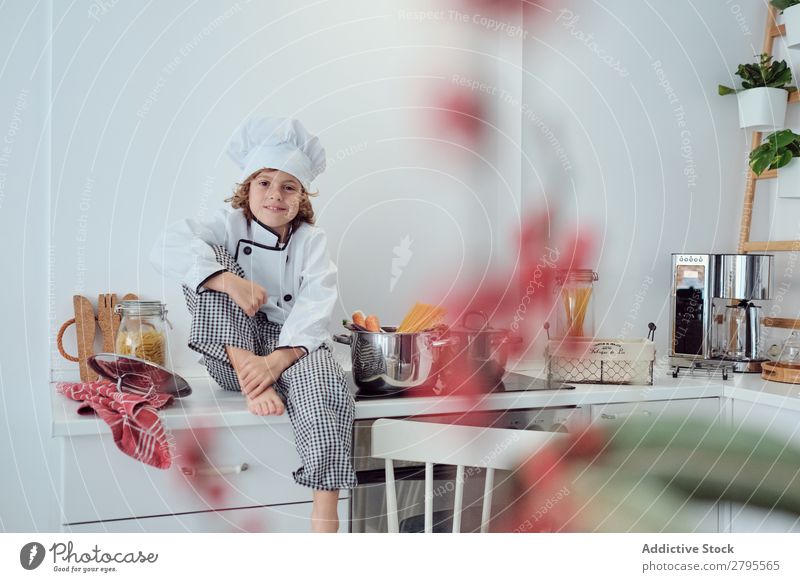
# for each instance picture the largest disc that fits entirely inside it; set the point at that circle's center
(372, 323)
(358, 318)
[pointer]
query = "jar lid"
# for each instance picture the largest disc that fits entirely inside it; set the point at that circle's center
(575, 276)
(140, 308)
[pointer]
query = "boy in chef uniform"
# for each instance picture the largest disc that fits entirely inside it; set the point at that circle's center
(261, 288)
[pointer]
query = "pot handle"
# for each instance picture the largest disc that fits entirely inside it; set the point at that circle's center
(343, 339)
(509, 339)
(444, 342)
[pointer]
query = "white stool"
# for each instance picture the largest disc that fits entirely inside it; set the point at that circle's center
(463, 446)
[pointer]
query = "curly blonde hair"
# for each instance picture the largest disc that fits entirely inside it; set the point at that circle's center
(241, 199)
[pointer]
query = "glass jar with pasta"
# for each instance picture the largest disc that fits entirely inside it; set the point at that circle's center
(142, 333)
(574, 304)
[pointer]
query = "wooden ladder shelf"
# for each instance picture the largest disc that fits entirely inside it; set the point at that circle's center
(773, 30)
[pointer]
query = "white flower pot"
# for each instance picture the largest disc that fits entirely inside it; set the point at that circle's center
(789, 180)
(791, 18)
(762, 108)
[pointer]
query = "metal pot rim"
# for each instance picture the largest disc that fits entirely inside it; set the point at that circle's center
(390, 330)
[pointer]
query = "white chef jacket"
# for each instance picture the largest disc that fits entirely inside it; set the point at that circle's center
(299, 276)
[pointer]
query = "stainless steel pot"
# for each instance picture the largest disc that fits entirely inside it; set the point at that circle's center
(487, 347)
(388, 362)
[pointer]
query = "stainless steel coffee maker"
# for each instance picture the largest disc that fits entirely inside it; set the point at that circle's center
(714, 322)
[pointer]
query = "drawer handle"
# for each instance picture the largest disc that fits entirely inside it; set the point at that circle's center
(607, 416)
(214, 471)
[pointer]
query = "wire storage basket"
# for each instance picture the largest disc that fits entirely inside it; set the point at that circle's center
(601, 360)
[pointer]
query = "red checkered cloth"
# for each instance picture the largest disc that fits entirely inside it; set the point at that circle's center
(134, 421)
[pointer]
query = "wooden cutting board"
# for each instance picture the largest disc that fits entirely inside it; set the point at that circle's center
(778, 372)
(85, 324)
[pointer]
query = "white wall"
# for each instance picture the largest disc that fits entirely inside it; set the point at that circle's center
(652, 160)
(147, 98)
(26, 478)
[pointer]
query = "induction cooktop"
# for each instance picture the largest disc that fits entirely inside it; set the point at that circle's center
(511, 382)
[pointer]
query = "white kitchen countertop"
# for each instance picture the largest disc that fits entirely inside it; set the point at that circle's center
(211, 406)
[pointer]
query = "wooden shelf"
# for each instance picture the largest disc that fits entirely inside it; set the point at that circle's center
(765, 175)
(776, 31)
(781, 322)
(772, 30)
(771, 245)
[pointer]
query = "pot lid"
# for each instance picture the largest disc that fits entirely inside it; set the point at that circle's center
(138, 376)
(476, 322)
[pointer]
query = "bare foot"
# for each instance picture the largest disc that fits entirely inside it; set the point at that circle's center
(266, 403)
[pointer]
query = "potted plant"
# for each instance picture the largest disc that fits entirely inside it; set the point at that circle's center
(776, 153)
(791, 18)
(764, 93)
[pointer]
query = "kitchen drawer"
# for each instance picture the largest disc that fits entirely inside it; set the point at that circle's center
(781, 423)
(707, 408)
(747, 519)
(705, 515)
(784, 425)
(293, 518)
(100, 482)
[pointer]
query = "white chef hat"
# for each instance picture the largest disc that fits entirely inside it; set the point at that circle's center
(278, 143)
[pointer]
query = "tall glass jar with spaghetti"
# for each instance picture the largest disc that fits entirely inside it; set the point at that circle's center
(142, 333)
(574, 305)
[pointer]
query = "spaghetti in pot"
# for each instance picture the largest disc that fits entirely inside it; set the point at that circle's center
(420, 318)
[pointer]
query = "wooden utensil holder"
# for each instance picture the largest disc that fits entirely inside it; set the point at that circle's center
(85, 322)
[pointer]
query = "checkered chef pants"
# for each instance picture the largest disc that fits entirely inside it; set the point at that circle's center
(314, 388)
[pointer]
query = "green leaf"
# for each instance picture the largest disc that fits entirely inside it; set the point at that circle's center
(784, 4)
(761, 150)
(783, 137)
(765, 73)
(708, 460)
(777, 150)
(760, 164)
(723, 90)
(783, 159)
(609, 501)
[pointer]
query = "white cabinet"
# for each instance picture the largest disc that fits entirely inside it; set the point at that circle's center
(785, 425)
(222, 480)
(708, 408)
(234, 467)
(708, 514)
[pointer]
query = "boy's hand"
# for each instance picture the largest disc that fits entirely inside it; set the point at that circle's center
(257, 373)
(248, 295)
